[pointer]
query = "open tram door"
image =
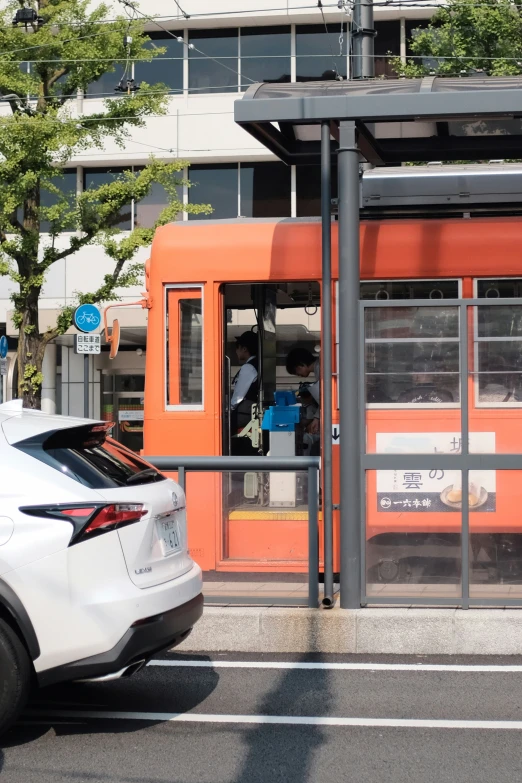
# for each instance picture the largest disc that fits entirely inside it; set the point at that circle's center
(265, 514)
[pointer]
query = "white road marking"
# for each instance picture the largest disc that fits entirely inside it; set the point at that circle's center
(385, 667)
(282, 720)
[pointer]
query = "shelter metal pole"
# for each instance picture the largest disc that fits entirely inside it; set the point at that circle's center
(350, 406)
(326, 360)
(363, 36)
(313, 543)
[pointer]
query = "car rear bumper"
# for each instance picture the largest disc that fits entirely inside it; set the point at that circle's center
(142, 640)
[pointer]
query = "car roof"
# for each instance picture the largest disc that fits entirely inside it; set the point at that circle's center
(19, 423)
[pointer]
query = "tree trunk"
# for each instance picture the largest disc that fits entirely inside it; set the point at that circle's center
(31, 349)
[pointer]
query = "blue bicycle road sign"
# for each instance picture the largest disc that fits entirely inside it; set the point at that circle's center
(3, 346)
(87, 318)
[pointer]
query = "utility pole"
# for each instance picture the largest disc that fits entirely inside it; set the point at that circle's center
(362, 37)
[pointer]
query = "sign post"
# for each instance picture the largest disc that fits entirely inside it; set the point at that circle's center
(86, 319)
(3, 353)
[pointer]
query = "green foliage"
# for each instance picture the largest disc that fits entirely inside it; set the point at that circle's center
(43, 130)
(466, 36)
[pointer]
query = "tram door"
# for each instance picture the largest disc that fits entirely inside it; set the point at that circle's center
(265, 514)
(249, 308)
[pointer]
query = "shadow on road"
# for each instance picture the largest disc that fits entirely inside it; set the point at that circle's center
(285, 753)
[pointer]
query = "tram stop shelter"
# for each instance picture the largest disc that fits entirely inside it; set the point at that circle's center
(385, 123)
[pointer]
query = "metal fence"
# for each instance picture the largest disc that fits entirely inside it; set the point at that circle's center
(262, 464)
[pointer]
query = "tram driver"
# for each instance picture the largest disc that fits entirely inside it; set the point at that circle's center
(245, 388)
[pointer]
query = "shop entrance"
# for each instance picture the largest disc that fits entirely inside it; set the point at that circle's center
(122, 403)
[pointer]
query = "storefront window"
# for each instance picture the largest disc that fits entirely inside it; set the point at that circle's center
(166, 68)
(184, 347)
(219, 74)
(319, 54)
(412, 356)
(265, 55)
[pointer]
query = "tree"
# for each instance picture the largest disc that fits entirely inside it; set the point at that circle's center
(69, 46)
(466, 36)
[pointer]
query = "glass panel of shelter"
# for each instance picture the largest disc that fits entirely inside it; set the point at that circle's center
(412, 388)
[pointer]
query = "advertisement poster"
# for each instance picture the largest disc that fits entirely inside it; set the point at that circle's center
(434, 490)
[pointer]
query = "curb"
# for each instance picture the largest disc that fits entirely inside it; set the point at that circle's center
(393, 631)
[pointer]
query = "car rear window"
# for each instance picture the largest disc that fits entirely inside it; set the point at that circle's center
(87, 455)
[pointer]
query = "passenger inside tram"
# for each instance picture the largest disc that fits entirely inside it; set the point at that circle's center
(496, 385)
(426, 388)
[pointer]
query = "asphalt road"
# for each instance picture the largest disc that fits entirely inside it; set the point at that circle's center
(250, 718)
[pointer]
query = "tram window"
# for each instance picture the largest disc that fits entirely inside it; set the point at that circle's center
(498, 354)
(504, 288)
(412, 356)
(410, 289)
(184, 347)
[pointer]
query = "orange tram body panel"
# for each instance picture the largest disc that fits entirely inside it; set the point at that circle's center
(204, 256)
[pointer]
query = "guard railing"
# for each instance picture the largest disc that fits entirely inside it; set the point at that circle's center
(261, 465)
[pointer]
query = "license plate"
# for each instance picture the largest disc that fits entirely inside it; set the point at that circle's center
(168, 530)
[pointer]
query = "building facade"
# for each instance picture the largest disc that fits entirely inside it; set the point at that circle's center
(211, 57)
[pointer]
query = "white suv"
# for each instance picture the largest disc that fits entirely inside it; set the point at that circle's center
(95, 575)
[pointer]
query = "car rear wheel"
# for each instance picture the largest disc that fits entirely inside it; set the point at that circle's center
(15, 676)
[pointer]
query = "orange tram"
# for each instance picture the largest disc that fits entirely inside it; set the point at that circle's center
(210, 281)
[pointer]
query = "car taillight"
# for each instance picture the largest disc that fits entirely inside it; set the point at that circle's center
(89, 520)
(116, 515)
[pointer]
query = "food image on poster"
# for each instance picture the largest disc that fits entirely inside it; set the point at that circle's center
(434, 490)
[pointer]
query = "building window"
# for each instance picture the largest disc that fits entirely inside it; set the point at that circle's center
(413, 28)
(387, 41)
(265, 55)
(265, 190)
(216, 185)
(94, 178)
(219, 74)
(105, 86)
(308, 186)
(184, 346)
(148, 210)
(166, 68)
(319, 56)
(67, 186)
